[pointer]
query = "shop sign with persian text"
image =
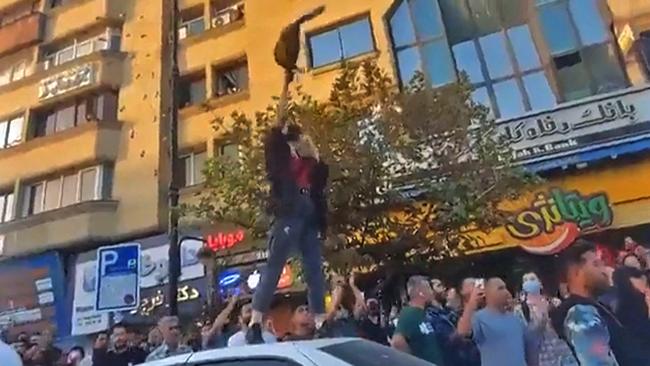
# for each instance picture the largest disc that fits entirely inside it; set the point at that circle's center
(557, 217)
(580, 127)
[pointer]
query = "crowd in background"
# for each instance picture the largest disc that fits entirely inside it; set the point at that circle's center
(600, 316)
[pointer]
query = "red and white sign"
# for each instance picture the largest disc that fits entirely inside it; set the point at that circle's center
(223, 241)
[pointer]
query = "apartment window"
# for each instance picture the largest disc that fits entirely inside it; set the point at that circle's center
(192, 22)
(341, 43)
(11, 132)
(107, 40)
(190, 169)
(64, 190)
(230, 79)
(12, 73)
(494, 43)
(6, 207)
(419, 42)
(582, 48)
(228, 151)
(192, 90)
(89, 108)
(55, 3)
(225, 12)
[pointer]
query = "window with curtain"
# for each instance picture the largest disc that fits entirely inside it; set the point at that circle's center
(64, 190)
(504, 54)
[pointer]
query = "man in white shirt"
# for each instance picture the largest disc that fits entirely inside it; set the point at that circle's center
(8, 356)
(239, 338)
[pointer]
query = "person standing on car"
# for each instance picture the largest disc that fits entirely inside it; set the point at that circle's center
(414, 334)
(298, 179)
(119, 353)
(171, 331)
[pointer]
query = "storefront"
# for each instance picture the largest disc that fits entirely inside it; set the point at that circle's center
(32, 295)
(153, 280)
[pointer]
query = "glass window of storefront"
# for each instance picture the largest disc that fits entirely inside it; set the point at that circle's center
(520, 56)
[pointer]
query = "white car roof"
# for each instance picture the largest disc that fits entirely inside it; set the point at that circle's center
(282, 349)
(274, 349)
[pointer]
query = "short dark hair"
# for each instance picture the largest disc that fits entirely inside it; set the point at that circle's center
(80, 349)
(293, 132)
(122, 326)
(574, 255)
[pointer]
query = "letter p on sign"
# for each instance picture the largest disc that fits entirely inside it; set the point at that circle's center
(109, 258)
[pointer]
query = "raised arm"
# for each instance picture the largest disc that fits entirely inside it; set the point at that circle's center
(284, 101)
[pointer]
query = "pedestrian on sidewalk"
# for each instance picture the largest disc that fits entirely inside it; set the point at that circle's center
(240, 338)
(118, 352)
(501, 336)
(414, 334)
(592, 330)
(171, 331)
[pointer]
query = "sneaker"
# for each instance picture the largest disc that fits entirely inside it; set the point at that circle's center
(254, 334)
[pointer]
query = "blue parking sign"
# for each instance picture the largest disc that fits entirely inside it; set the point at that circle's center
(118, 276)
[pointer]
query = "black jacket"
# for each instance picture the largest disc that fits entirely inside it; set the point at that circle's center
(278, 159)
(132, 356)
(624, 346)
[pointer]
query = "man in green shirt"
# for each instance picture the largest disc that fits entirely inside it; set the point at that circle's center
(414, 334)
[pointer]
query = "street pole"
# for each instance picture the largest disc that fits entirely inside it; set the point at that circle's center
(172, 142)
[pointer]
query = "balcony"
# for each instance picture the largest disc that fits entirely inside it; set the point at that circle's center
(82, 222)
(24, 32)
(69, 19)
(83, 145)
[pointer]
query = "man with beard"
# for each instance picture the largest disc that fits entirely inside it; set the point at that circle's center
(239, 338)
(443, 320)
(414, 334)
(120, 354)
(370, 324)
(591, 329)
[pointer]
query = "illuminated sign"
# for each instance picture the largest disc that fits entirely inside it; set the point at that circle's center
(556, 218)
(223, 241)
(253, 280)
(229, 278)
(286, 278)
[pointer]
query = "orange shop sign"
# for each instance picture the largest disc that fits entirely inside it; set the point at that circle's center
(556, 218)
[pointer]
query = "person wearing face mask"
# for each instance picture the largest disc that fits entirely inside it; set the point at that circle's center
(534, 310)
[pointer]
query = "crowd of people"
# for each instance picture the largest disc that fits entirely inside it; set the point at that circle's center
(602, 318)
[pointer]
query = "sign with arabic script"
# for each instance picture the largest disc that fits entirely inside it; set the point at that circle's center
(556, 218)
(580, 127)
(63, 82)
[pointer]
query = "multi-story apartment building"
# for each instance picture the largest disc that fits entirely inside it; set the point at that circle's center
(83, 122)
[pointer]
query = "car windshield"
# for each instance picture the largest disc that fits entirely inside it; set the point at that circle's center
(364, 353)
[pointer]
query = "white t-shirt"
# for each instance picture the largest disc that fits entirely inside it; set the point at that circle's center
(239, 338)
(8, 356)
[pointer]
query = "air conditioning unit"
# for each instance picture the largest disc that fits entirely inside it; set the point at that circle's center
(222, 18)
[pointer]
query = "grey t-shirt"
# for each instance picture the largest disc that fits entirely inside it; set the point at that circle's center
(500, 338)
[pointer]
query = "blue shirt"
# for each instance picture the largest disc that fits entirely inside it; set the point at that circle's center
(500, 338)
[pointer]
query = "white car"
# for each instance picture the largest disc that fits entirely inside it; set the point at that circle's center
(322, 352)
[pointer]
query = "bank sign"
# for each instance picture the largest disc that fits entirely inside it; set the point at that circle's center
(555, 219)
(612, 120)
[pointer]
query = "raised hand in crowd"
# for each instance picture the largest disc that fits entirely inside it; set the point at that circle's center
(209, 335)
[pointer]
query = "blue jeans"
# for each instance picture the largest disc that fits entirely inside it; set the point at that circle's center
(296, 229)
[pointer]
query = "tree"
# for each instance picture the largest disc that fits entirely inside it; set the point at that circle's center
(414, 173)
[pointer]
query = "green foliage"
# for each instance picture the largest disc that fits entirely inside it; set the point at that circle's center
(414, 169)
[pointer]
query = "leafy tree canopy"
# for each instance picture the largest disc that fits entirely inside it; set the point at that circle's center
(414, 173)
